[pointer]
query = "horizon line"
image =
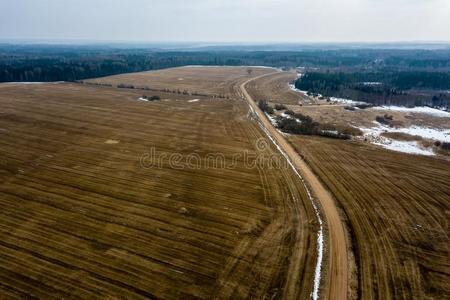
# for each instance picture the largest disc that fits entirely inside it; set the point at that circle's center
(210, 43)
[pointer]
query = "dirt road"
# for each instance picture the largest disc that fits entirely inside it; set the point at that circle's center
(336, 282)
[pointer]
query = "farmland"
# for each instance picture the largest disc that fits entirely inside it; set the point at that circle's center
(215, 81)
(395, 205)
(93, 205)
(274, 88)
(397, 208)
(84, 216)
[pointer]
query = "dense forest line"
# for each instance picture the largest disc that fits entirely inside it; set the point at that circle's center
(371, 81)
(68, 63)
(380, 76)
(383, 87)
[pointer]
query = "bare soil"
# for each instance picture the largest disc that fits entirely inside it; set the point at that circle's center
(201, 80)
(397, 207)
(82, 217)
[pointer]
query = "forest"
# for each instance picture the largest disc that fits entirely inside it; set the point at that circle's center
(72, 62)
(381, 76)
(383, 87)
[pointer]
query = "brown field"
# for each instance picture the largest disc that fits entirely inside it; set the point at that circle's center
(82, 218)
(400, 136)
(275, 89)
(204, 80)
(397, 208)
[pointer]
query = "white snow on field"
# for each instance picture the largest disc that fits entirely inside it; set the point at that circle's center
(406, 147)
(292, 86)
(425, 132)
(272, 119)
(331, 131)
(142, 99)
(194, 100)
(346, 101)
(374, 136)
(263, 67)
(27, 83)
(33, 83)
(287, 116)
(434, 134)
(417, 110)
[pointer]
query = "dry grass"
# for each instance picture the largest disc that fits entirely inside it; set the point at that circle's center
(204, 80)
(400, 136)
(397, 207)
(275, 89)
(81, 218)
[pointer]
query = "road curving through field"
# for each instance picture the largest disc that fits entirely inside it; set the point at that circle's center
(336, 280)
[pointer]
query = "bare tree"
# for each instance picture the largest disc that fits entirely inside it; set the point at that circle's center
(249, 71)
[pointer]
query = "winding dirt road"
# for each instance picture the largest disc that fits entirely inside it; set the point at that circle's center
(336, 280)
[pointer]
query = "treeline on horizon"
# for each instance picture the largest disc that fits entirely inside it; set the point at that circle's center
(69, 63)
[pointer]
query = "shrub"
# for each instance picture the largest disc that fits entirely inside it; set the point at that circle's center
(289, 112)
(305, 126)
(364, 105)
(335, 135)
(386, 119)
(265, 107)
(301, 124)
(125, 86)
(303, 118)
(445, 146)
(280, 107)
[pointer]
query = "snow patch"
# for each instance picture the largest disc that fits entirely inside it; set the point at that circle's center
(292, 87)
(33, 83)
(406, 147)
(374, 136)
(331, 131)
(418, 110)
(372, 83)
(272, 119)
(346, 101)
(425, 132)
(194, 100)
(285, 115)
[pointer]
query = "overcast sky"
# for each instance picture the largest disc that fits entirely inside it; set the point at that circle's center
(226, 20)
